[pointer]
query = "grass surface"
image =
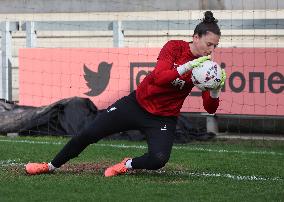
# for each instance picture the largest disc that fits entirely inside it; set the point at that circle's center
(210, 171)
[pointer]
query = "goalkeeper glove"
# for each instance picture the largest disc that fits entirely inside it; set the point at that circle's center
(214, 93)
(192, 64)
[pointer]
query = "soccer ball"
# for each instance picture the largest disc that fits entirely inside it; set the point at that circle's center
(207, 76)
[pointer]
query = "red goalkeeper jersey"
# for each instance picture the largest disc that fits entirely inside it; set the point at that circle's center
(163, 91)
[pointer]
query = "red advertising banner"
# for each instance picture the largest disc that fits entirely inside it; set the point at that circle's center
(254, 84)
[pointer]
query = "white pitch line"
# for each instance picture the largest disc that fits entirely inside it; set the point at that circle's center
(145, 147)
(11, 162)
(194, 149)
(32, 142)
(224, 175)
(16, 162)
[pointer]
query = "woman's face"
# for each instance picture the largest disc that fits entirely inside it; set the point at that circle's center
(205, 44)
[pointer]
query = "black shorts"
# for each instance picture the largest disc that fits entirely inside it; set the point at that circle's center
(126, 114)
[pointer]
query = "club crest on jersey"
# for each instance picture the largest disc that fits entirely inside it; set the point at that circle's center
(178, 82)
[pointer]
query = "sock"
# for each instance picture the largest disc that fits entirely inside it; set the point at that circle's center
(51, 167)
(128, 164)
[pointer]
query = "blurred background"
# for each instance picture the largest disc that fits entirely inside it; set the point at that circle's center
(49, 49)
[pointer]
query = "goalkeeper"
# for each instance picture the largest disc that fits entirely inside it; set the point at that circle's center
(153, 108)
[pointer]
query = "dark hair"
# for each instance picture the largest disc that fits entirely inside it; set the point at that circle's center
(208, 24)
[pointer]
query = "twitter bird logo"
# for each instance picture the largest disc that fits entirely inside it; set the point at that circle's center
(97, 81)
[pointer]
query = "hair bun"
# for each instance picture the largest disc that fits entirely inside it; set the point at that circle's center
(208, 17)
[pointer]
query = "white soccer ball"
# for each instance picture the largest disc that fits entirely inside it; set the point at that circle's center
(207, 76)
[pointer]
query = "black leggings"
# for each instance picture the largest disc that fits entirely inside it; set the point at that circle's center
(126, 114)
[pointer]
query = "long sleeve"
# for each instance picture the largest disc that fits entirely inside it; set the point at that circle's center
(210, 104)
(164, 73)
(165, 70)
(163, 91)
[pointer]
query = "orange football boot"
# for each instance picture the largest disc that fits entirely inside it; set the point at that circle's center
(117, 169)
(37, 168)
